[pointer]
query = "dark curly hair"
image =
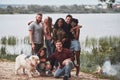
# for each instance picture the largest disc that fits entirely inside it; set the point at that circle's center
(74, 20)
(56, 23)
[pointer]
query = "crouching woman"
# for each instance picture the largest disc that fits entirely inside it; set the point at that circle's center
(43, 66)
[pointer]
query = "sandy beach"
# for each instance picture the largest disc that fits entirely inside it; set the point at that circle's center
(7, 73)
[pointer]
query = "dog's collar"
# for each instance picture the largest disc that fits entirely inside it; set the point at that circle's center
(30, 63)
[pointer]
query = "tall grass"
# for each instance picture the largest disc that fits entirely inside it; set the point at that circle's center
(8, 57)
(99, 49)
(93, 54)
(10, 41)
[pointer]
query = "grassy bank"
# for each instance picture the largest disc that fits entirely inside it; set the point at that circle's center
(7, 57)
(94, 52)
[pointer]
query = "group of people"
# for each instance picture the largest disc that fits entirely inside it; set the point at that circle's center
(62, 44)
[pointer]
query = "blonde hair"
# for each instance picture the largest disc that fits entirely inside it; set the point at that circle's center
(49, 25)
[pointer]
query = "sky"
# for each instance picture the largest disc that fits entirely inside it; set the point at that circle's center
(50, 2)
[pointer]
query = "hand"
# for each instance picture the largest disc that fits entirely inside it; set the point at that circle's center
(63, 40)
(52, 42)
(43, 60)
(33, 46)
(71, 30)
(66, 61)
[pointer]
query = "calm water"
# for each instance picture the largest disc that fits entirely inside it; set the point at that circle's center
(94, 25)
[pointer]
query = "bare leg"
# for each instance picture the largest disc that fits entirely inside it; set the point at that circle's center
(23, 70)
(77, 53)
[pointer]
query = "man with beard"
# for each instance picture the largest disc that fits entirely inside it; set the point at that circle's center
(36, 34)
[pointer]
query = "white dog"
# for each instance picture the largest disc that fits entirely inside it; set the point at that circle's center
(26, 63)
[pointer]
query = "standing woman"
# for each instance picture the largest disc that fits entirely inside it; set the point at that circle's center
(59, 31)
(59, 34)
(48, 35)
(75, 44)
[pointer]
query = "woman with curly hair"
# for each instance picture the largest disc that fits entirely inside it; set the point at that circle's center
(59, 31)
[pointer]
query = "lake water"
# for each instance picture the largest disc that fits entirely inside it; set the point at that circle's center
(94, 25)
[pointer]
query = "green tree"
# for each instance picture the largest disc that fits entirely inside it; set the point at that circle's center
(3, 50)
(47, 9)
(4, 40)
(10, 9)
(12, 40)
(108, 2)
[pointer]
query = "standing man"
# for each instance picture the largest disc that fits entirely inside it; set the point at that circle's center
(67, 30)
(36, 34)
(68, 19)
(65, 57)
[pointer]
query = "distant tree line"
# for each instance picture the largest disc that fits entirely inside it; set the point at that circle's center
(30, 9)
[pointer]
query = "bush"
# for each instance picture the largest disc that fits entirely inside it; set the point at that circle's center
(8, 57)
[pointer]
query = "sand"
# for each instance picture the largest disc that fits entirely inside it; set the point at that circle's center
(7, 73)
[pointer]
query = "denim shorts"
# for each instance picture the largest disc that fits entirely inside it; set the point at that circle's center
(75, 45)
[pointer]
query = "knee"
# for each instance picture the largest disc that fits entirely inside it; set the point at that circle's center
(71, 65)
(48, 67)
(56, 74)
(42, 65)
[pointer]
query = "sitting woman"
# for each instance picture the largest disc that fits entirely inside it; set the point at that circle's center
(43, 67)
